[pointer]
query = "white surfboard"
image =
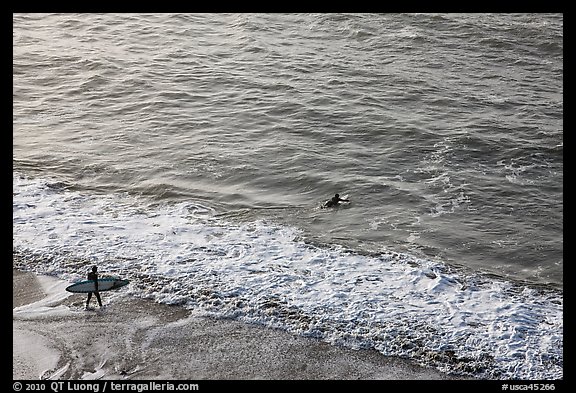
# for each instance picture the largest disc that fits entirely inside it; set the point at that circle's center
(104, 284)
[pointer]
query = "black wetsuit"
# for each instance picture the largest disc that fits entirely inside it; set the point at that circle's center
(93, 276)
(335, 201)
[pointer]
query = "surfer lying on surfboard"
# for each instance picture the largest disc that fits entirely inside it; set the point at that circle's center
(335, 201)
(93, 275)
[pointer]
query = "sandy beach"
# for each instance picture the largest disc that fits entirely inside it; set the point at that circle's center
(55, 338)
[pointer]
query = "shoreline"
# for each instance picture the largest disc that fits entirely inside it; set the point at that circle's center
(132, 338)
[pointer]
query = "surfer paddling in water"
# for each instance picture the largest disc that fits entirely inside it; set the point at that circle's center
(335, 201)
(93, 275)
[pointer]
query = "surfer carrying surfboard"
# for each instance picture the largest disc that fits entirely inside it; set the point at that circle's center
(93, 275)
(335, 201)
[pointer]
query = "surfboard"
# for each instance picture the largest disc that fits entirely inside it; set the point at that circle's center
(104, 284)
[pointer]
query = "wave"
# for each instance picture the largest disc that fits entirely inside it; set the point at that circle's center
(188, 254)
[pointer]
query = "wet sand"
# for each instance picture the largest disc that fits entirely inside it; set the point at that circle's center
(131, 338)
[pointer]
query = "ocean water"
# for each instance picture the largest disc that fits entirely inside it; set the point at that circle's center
(191, 154)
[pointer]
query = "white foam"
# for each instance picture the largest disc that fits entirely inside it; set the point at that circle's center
(263, 273)
(50, 305)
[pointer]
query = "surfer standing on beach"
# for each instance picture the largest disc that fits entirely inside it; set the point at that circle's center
(93, 275)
